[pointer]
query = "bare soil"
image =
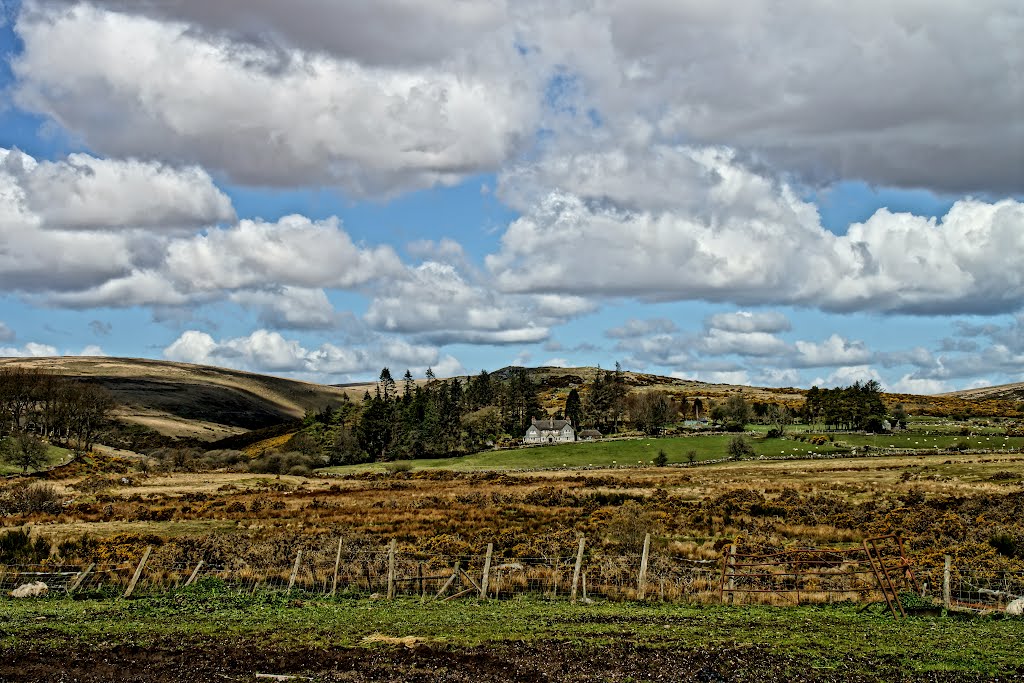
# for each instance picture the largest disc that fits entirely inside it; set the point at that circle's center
(553, 661)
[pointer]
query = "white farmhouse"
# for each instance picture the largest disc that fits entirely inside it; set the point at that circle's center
(549, 431)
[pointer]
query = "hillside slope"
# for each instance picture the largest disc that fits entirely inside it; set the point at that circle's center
(179, 399)
(1002, 392)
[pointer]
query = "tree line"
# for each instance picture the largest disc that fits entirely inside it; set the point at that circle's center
(35, 404)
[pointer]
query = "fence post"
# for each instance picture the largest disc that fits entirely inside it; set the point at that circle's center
(391, 568)
(576, 570)
(194, 574)
(947, 570)
(423, 585)
(642, 583)
(487, 572)
(80, 578)
(295, 571)
(138, 572)
(337, 564)
(728, 579)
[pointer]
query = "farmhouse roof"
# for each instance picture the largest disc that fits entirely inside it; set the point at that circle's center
(550, 425)
(590, 432)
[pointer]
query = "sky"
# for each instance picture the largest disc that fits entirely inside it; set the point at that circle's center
(774, 193)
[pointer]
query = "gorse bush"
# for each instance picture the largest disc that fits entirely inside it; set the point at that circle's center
(1004, 543)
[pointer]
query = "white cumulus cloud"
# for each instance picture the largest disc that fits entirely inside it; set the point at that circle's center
(271, 115)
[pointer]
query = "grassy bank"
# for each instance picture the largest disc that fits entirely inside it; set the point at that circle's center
(54, 456)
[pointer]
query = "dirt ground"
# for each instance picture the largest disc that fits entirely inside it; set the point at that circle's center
(223, 661)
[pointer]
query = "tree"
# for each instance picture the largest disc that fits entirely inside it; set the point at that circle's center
(899, 416)
(698, 406)
(650, 410)
(739, 448)
(24, 451)
(737, 413)
(778, 416)
(574, 409)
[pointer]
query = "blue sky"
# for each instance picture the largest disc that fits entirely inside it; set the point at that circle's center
(761, 193)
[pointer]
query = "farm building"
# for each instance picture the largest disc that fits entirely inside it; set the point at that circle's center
(549, 431)
(589, 435)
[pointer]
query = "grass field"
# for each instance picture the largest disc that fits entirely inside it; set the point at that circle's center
(834, 643)
(641, 452)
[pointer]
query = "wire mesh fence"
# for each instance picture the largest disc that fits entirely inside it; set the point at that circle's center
(740, 576)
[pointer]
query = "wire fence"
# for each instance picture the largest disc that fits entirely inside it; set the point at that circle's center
(740, 576)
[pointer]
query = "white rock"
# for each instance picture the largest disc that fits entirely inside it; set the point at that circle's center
(1016, 608)
(36, 589)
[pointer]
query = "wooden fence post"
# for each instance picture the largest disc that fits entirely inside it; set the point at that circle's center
(391, 568)
(485, 581)
(337, 565)
(450, 581)
(576, 570)
(194, 574)
(138, 572)
(731, 570)
(295, 571)
(80, 578)
(641, 590)
(947, 592)
(423, 585)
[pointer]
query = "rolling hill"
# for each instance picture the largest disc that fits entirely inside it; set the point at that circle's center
(183, 400)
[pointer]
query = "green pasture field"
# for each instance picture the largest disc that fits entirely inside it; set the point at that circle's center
(843, 640)
(641, 452)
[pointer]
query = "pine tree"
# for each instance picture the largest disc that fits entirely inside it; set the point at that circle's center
(574, 409)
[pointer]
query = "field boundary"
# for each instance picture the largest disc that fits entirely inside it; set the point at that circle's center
(740, 576)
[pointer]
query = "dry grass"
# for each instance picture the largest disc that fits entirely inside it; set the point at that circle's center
(692, 511)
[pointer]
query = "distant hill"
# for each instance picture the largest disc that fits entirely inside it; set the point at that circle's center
(179, 399)
(1002, 392)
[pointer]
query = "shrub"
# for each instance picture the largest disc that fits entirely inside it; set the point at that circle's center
(739, 448)
(31, 498)
(397, 467)
(296, 464)
(630, 523)
(661, 459)
(17, 547)
(1004, 543)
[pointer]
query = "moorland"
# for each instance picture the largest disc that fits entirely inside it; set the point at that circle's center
(232, 469)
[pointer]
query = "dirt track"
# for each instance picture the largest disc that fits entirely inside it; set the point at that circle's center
(209, 661)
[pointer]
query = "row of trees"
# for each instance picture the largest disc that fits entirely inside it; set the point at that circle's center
(59, 409)
(858, 406)
(415, 420)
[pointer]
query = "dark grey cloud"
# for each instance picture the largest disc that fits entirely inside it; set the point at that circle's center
(382, 32)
